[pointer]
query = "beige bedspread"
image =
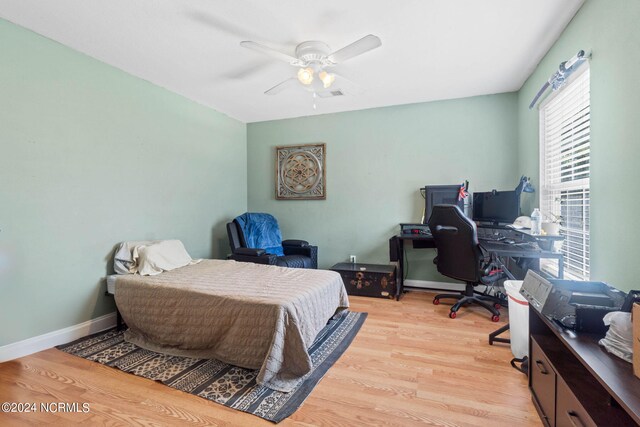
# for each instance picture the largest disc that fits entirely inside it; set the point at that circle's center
(250, 315)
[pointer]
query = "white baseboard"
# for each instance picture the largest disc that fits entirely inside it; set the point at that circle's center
(429, 284)
(52, 339)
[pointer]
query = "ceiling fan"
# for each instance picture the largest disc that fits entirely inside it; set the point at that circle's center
(314, 60)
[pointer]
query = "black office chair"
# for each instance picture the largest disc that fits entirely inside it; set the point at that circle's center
(297, 253)
(460, 257)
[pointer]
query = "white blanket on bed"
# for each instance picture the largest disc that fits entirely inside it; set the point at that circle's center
(149, 258)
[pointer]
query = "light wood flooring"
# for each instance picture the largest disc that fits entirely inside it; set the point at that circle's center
(409, 365)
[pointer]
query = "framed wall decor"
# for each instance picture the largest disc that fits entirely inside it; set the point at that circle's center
(301, 172)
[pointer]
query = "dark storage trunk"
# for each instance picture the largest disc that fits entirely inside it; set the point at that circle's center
(370, 280)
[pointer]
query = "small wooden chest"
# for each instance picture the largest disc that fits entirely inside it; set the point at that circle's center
(370, 280)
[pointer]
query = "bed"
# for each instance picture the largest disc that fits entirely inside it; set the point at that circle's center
(250, 315)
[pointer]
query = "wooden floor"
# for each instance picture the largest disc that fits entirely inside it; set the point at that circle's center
(409, 365)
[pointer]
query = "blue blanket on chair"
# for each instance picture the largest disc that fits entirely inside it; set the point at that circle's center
(261, 231)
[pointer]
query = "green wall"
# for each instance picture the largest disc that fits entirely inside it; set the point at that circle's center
(610, 29)
(377, 160)
(91, 156)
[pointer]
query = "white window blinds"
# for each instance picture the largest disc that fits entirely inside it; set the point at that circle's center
(565, 170)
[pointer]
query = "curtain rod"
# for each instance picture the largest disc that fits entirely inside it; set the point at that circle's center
(559, 78)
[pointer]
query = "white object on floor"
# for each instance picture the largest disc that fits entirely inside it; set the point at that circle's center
(518, 319)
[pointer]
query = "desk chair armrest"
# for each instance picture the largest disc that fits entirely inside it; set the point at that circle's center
(295, 243)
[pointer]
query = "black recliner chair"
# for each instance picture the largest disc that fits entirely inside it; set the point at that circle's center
(460, 257)
(297, 253)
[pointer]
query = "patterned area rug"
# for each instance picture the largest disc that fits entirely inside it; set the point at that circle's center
(217, 381)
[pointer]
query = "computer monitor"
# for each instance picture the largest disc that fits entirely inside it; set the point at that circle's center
(440, 194)
(496, 207)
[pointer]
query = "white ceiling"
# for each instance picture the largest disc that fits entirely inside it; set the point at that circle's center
(431, 49)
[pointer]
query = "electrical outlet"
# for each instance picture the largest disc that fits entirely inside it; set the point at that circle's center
(352, 259)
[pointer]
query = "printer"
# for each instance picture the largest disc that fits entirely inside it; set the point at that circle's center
(574, 304)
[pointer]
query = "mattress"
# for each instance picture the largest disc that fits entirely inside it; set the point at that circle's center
(111, 284)
(250, 315)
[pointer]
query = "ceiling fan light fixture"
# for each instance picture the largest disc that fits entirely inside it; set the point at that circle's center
(327, 78)
(312, 57)
(305, 75)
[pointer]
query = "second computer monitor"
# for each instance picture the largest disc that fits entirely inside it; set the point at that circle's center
(440, 194)
(496, 207)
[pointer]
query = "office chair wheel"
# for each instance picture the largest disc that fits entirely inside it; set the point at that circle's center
(495, 318)
(436, 301)
(453, 314)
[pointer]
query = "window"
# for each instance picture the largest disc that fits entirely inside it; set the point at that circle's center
(565, 171)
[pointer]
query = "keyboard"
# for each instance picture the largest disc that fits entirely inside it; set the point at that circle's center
(498, 234)
(497, 246)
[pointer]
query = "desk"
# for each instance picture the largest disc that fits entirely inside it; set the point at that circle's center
(524, 247)
(523, 250)
(396, 253)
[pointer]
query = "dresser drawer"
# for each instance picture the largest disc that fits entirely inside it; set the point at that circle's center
(543, 384)
(569, 411)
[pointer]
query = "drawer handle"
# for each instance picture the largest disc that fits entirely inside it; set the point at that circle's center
(575, 419)
(541, 367)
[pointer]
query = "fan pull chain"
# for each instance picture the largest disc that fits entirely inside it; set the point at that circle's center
(315, 95)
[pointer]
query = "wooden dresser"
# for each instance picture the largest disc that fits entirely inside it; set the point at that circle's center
(575, 382)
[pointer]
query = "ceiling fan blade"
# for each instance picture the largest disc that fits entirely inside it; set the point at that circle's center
(281, 86)
(220, 24)
(256, 67)
(347, 86)
(271, 52)
(356, 48)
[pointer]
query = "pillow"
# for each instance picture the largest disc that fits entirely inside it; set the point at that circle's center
(123, 262)
(165, 255)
